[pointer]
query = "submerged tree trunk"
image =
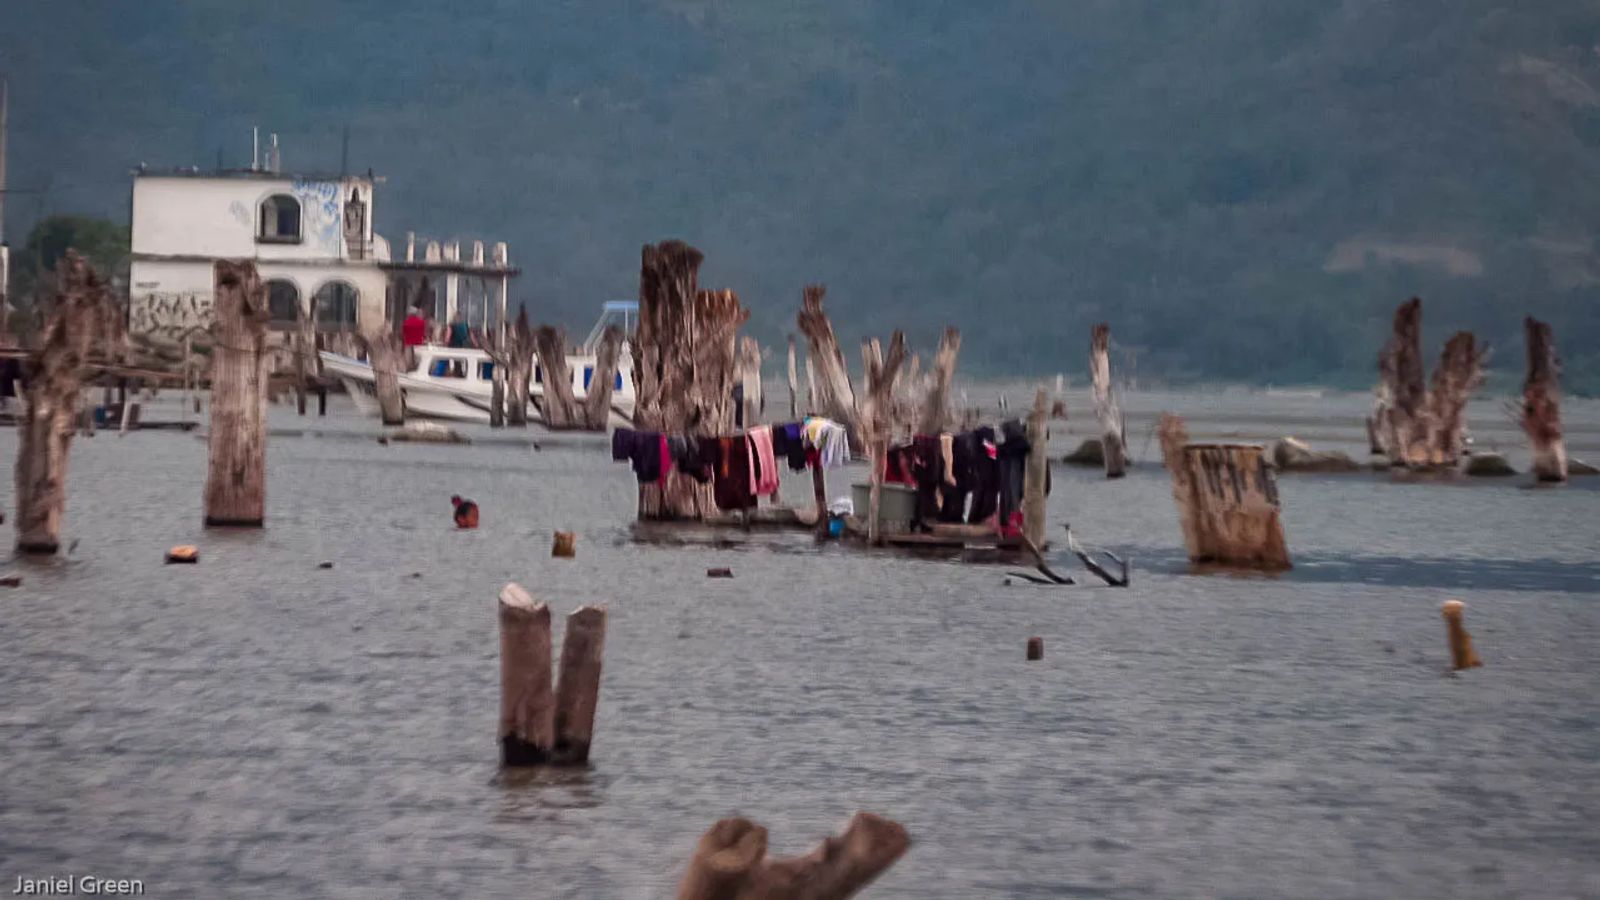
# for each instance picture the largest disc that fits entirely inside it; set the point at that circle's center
(1037, 473)
(1424, 427)
(560, 407)
(730, 862)
(518, 363)
(683, 367)
(874, 418)
(386, 356)
(597, 401)
(84, 317)
(1403, 431)
(837, 398)
(1227, 501)
(794, 383)
(236, 487)
(1541, 403)
(749, 379)
(1105, 404)
(936, 408)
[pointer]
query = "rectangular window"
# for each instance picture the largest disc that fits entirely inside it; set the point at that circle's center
(486, 371)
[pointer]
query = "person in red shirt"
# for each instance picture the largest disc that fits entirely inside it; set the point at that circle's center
(414, 331)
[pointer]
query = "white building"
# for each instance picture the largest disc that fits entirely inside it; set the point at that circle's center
(311, 238)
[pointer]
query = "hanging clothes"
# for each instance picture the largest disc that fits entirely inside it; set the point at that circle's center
(964, 450)
(830, 441)
(1013, 469)
(688, 456)
(644, 449)
(897, 466)
(731, 485)
(927, 469)
(788, 443)
(664, 454)
(763, 464)
(985, 476)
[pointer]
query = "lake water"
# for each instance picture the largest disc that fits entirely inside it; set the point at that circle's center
(255, 726)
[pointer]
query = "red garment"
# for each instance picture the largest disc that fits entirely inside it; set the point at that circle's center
(414, 331)
(666, 460)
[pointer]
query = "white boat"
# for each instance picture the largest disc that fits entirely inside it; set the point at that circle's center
(457, 383)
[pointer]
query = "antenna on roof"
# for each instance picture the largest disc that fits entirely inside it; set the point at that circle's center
(255, 148)
(274, 156)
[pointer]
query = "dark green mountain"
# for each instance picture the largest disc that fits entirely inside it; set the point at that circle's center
(1244, 189)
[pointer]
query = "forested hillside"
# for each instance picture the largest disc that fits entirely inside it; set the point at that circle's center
(1244, 188)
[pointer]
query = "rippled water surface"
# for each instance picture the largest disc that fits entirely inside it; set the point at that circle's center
(256, 726)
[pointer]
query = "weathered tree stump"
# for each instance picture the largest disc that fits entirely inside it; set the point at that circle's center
(1541, 403)
(794, 382)
(527, 705)
(518, 363)
(236, 485)
(597, 402)
(1112, 440)
(559, 405)
(1416, 427)
(578, 690)
(873, 417)
(1227, 501)
(683, 368)
(835, 397)
(386, 355)
(749, 380)
(936, 409)
(84, 317)
(730, 863)
(1036, 473)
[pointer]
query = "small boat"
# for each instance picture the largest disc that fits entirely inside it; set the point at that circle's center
(457, 383)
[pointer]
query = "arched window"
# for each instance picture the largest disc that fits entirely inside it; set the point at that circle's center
(336, 306)
(283, 303)
(280, 220)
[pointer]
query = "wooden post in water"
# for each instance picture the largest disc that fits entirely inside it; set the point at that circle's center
(1462, 656)
(874, 418)
(794, 383)
(750, 380)
(936, 407)
(1037, 474)
(1541, 403)
(730, 863)
(82, 318)
(497, 397)
(1227, 501)
(236, 485)
(304, 352)
(813, 399)
(527, 707)
(578, 690)
(1112, 438)
(597, 402)
(518, 362)
(386, 355)
(819, 489)
(837, 399)
(560, 408)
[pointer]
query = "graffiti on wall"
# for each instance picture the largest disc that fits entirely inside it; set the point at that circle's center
(169, 318)
(320, 214)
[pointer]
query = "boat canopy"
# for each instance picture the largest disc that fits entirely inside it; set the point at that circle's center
(622, 313)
